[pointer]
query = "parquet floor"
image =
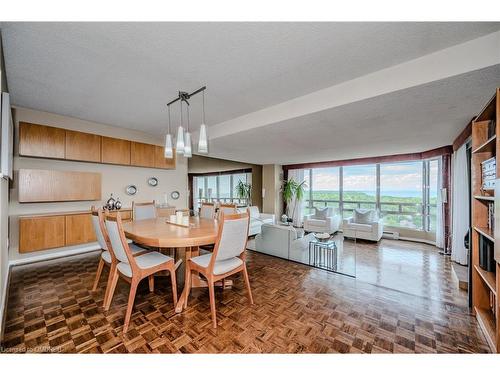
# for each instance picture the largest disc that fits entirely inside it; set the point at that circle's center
(297, 309)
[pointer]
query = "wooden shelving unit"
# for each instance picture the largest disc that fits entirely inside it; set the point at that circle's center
(485, 285)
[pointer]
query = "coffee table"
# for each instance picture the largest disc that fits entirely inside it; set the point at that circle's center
(323, 254)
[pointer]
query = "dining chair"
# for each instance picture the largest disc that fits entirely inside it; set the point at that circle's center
(227, 208)
(134, 269)
(144, 210)
(107, 257)
(228, 257)
(207, 210)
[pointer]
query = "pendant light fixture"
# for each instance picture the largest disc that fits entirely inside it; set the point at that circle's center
(169, 152)
(180, 137)
(187, 138)
(203, 140)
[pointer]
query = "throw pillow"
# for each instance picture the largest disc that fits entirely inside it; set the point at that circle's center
(322, 214)
(363, 216)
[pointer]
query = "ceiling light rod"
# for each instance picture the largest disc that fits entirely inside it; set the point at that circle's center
(184, 96)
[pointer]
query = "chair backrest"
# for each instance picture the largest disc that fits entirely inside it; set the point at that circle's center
(117, 238)
(145, 210)
(207, 210)
(232, 237)
(99, 228)
(228, 208)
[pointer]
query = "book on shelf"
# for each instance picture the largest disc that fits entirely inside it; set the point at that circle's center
(491, 216)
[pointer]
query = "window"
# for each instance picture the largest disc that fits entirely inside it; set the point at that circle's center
(401, 194)
(405, 193)
(219, 188)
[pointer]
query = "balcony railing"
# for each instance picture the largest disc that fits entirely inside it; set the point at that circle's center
(400, 214)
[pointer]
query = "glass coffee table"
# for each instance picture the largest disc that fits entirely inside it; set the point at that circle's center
(323, 254)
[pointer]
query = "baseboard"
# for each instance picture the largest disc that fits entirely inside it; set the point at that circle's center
(59, 254)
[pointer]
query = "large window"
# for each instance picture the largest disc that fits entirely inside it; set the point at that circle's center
(219, 188)
(405, 193)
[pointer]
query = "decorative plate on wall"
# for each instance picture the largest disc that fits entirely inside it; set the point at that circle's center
(131, 190)
(152, 181)
(175, 195)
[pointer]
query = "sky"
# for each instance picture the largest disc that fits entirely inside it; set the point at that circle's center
(393, 177)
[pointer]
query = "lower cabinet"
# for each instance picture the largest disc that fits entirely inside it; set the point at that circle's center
(40, 233)
(79, 229)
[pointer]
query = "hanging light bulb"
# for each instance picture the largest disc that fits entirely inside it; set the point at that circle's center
(180, 137)
(187, 138)
(169, 152)
(203, 140)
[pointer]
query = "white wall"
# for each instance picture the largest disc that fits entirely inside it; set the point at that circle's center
(114, 178)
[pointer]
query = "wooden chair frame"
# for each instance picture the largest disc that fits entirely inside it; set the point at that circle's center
(137, 274)
(134, 205)
(102, 262)
(208, 273)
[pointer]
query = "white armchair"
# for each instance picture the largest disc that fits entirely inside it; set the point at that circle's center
(364, 224)
(257, 219)
(322, 221)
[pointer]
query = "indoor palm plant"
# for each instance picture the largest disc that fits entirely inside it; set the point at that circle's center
(244, 191)
(293, 190)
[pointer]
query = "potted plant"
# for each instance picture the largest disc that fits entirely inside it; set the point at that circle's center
(293, 189)
(244, 191)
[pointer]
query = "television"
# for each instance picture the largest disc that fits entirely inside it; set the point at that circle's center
(6, 138)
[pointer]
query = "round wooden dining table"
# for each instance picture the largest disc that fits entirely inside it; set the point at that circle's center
(160, 233)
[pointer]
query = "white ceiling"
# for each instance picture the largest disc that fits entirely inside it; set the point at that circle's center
(124, 73)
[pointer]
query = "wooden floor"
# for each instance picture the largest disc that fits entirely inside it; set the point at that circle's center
(297, 309)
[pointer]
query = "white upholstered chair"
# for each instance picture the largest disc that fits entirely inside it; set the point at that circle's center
(228, 257)
(322, 221)
(365, 224)
(207, 210)
(107, 257)
(134, 269)
(143, 211)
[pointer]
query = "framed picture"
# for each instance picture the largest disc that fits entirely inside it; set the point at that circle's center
(7, 138)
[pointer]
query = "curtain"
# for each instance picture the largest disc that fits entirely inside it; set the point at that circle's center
(298, 176)
(195, 193)
(439, 207)
(460, 206)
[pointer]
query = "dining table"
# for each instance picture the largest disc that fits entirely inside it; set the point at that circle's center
(185, 239)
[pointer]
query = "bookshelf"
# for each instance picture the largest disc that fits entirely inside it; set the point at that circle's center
(485, 284)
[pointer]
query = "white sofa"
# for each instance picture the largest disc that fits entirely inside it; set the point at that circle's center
(322, 221)
(364, 224)
(284, 242)
(257, 219)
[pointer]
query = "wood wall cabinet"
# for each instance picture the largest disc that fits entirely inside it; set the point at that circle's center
(38, 185)
(142, 154)
(55, 143)
(115, 151)
(40, 233)
(165, 211)
(161, 161)
(82, 146)
(41, 141)
(79, 229)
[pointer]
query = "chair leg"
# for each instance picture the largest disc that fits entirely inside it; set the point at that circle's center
(130, 305)
(98, 274)
(188, 281)
(151, 279)
(112, 270)
(211, 288)
(114, 281)
(174, 283)
(247, 282)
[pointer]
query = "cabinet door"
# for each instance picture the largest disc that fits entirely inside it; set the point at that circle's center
(83, 146)
(41, 141)
(115, 151)
(126, 215)
(165, 211)
(161, 161)
(142, 154)
(79, 229)
(40, 233)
